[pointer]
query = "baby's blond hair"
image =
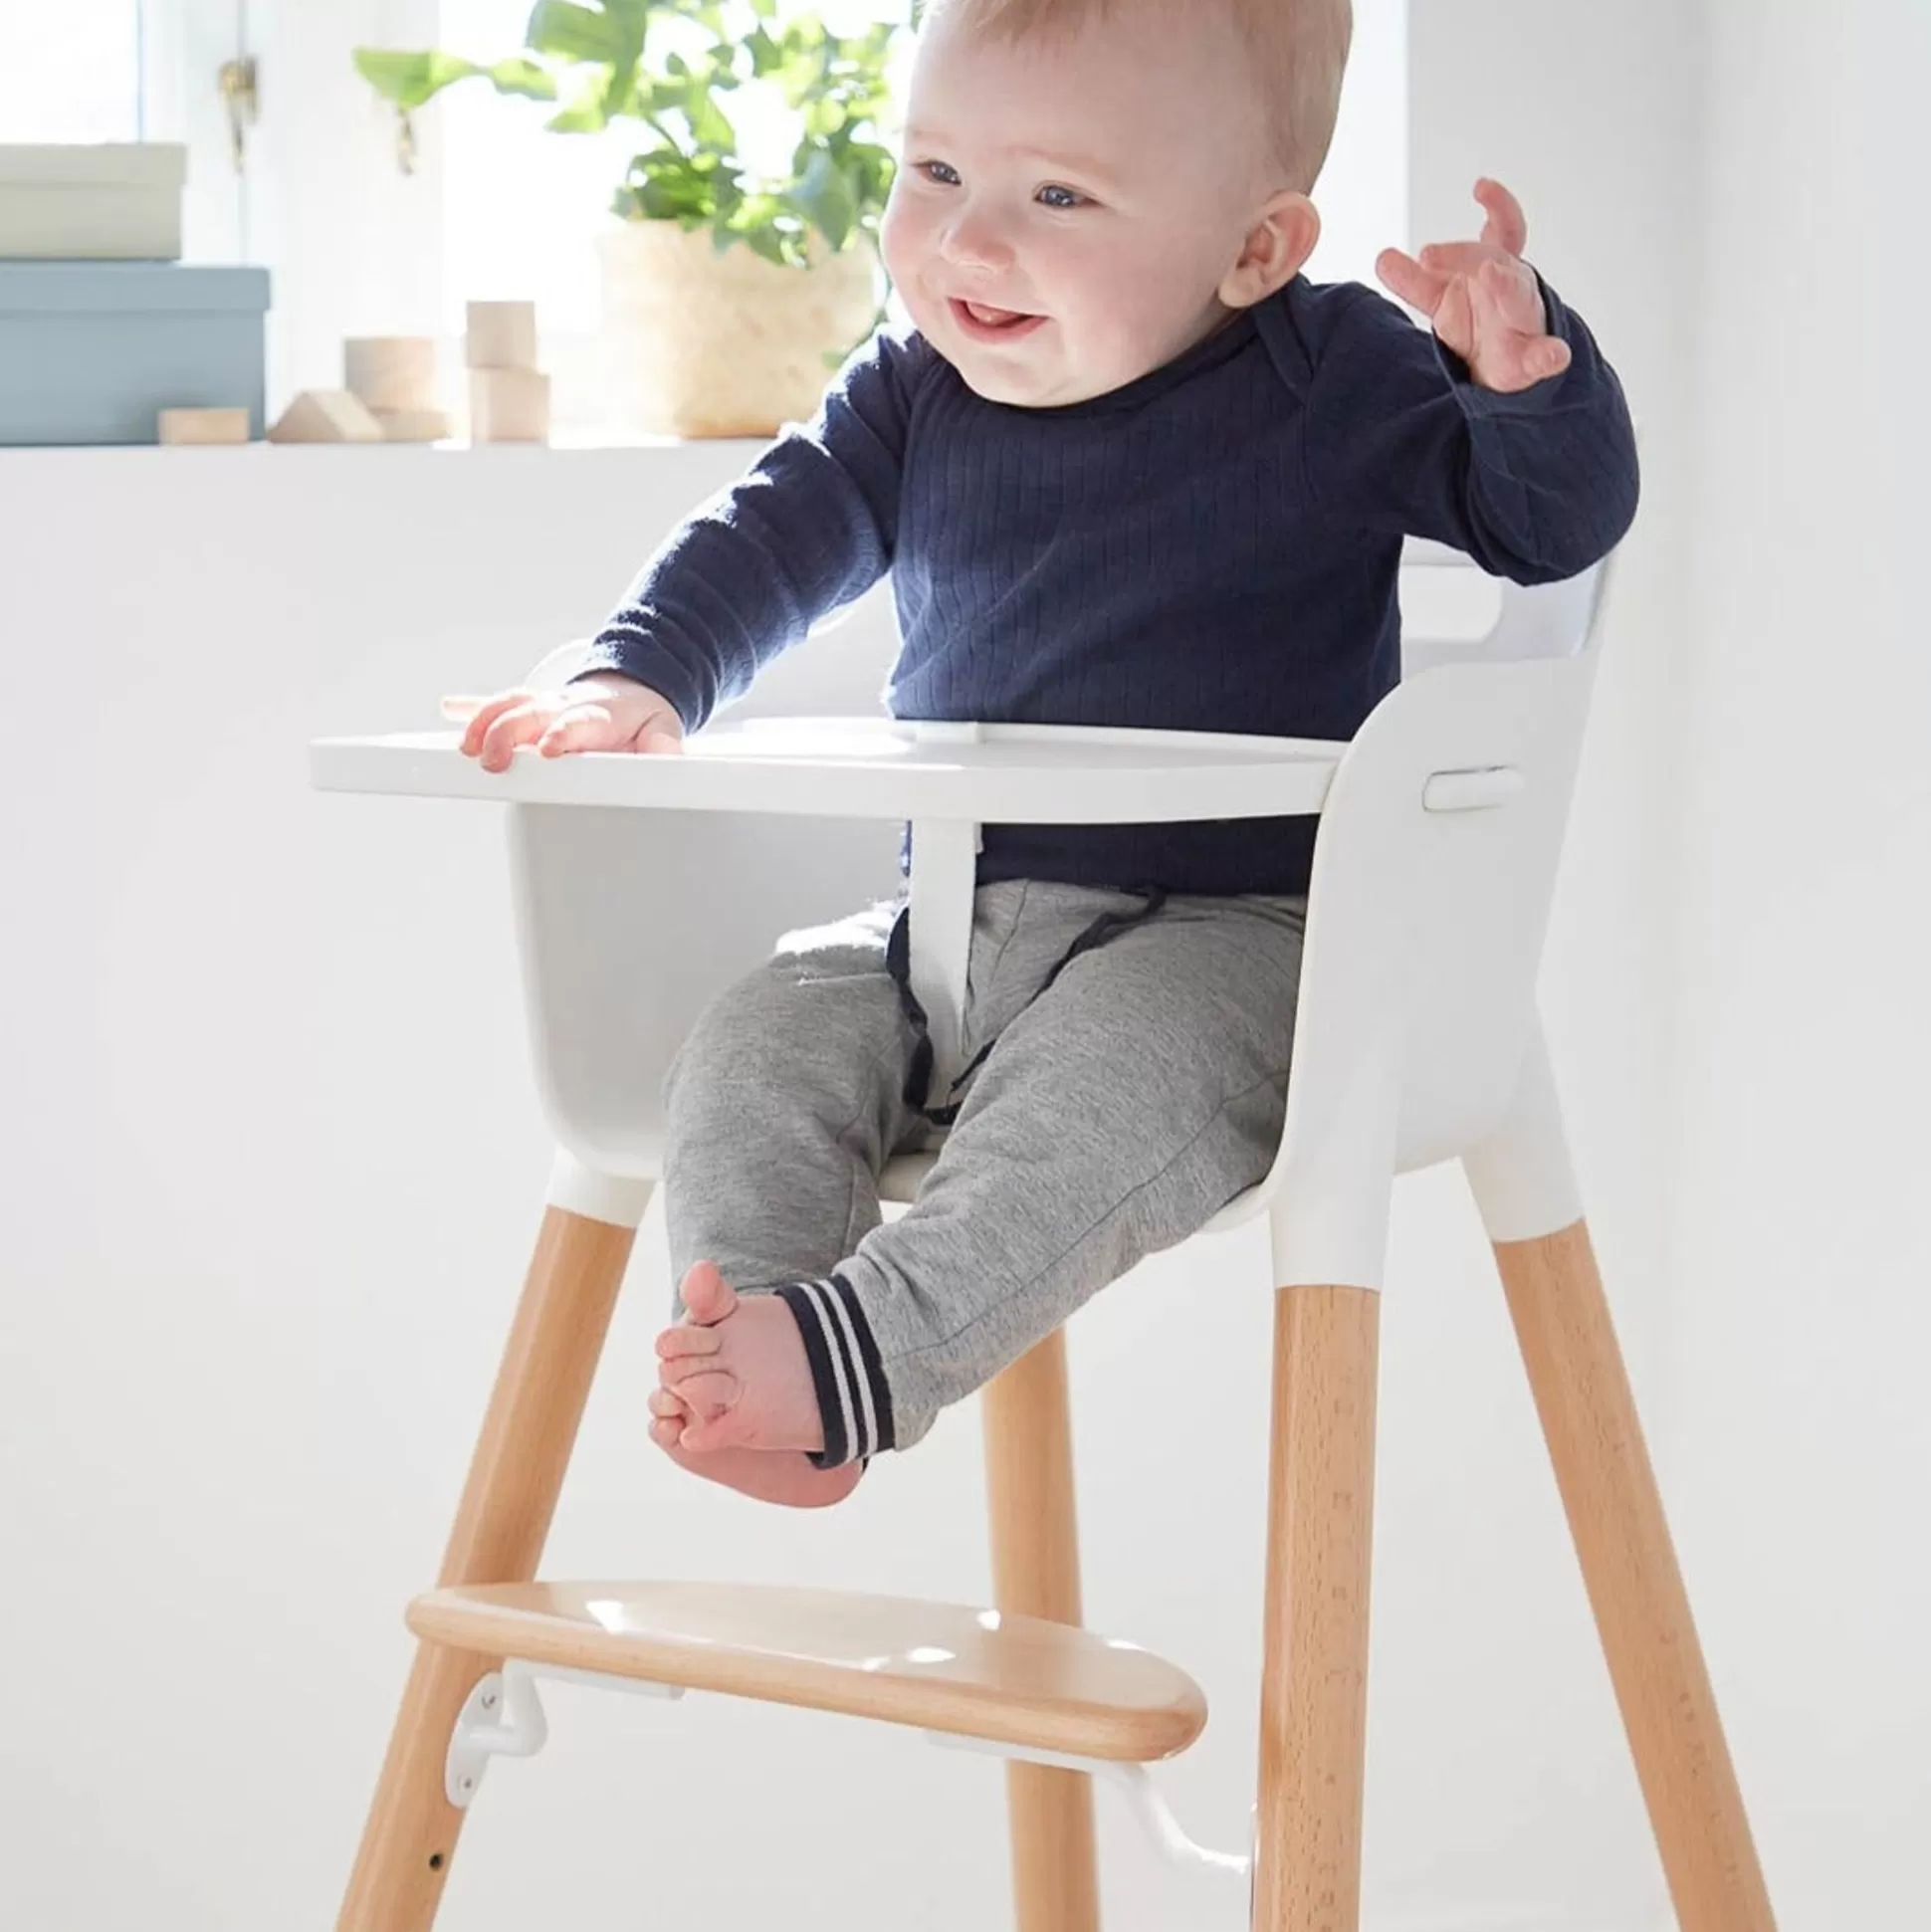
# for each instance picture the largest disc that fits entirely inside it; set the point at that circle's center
(1298, 50)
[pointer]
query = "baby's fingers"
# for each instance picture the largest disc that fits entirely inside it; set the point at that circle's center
(1543, 356)
(1418, 286)
(1507, 226)
(584, 727)
(480, 713)
(521, 724)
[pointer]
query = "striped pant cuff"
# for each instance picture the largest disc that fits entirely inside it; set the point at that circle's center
(846, 1372)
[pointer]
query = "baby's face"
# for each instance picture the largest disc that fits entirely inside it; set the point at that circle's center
(1066, 207)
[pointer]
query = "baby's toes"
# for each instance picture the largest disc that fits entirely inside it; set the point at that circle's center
(686, 1339)
(668, 1419)
(706, 1394)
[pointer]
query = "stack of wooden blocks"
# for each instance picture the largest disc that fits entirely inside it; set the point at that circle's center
(509, 394)
(389, 393)
(394, 379)
(388, 396)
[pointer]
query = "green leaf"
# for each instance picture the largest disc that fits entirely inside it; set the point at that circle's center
(572, 33)
(525, 78)
(841, 171)
(618, 95)
(709, 125)
(631, 15)
(768, 243)
(409, 80)
(825, 116)
(584, 114)
(825, 197)
(666, 185)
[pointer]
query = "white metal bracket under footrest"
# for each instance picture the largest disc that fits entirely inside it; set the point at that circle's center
(1137, 1781)
(503, 1717)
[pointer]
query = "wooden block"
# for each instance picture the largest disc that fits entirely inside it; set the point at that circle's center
(391, 371)
(325, 416)
(413, 425)
(502, 335)
(509, 406)
(204, 425)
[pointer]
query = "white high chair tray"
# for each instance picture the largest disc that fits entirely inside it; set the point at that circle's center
(867, 768)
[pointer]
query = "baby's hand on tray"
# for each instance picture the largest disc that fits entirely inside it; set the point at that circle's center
(607, 712)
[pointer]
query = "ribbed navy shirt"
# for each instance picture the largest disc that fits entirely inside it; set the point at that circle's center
(1215, 546)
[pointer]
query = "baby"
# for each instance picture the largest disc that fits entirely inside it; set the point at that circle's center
(1132, 468)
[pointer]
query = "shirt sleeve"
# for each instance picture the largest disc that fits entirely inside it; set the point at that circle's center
(809, 527)
(1535, 485)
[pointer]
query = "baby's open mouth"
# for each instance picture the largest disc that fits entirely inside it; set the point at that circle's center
(984, 322)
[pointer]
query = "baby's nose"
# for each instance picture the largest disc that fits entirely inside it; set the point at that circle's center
(974, 242)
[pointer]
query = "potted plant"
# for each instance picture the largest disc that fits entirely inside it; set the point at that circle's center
(726, 295)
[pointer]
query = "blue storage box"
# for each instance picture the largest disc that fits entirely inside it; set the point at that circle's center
(93, 351)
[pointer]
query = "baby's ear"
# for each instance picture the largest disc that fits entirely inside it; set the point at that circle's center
(1280, 241)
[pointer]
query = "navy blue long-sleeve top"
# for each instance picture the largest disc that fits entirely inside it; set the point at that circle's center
(1213, 546)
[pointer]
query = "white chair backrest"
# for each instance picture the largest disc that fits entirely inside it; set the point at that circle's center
(1430, 904)
(630, 922)
(1455, 614)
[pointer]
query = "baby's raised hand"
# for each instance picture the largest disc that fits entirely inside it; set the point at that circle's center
(608, 713)
(1482, 297)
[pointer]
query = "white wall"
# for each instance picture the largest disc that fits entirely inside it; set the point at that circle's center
(1800, 1438)
(1733, 195)
(1591, 114)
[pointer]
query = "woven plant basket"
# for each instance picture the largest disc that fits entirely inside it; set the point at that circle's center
(698, 344)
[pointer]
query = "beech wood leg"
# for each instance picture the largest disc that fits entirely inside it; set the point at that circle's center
(1035, 1572)
(1314, 1671)
(1635, 1588)
(515, 1475)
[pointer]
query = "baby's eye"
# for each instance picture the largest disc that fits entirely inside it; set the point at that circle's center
(940, 171)
(1057, 197)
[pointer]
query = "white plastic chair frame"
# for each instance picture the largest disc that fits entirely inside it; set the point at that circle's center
(1417, 1040)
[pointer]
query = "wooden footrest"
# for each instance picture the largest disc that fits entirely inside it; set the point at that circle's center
(939, 1667)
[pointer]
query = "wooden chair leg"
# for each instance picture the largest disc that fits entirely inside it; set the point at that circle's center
(1314, 1671)
(1035, 1572)
(1635, 1588)
(514, 1476)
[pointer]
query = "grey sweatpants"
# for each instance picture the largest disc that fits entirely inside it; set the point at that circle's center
(1117, 1110)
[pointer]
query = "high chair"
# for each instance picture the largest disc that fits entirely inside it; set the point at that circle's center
(1416, 1040)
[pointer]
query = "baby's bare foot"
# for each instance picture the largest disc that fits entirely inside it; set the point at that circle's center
(739, 1366)
(772, 1476)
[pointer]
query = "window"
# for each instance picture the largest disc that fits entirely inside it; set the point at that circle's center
(71, 72)
(132, 71)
